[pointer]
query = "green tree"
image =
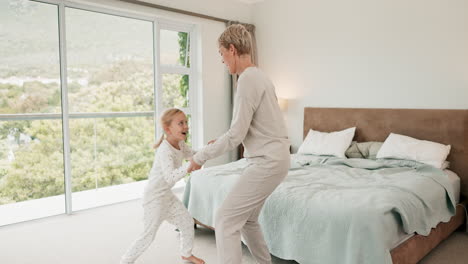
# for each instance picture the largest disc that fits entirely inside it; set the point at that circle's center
(104, 151)
(184, 59)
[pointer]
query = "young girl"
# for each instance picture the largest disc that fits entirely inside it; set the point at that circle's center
(159, 203)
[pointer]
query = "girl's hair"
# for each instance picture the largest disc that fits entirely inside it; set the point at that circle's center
(238, 36)
(165, 121)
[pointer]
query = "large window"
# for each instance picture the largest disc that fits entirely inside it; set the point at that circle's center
(110, 143)
(87, 140)
(175, 71)
(31, 145)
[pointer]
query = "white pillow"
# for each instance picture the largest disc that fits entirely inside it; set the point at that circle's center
(323, 143)
(404, 147)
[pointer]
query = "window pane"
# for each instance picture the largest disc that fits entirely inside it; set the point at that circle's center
(175, 47)
(29, 58)
(175, 90)
(110, 62)
(109, 152)
(31, 167)
(31, 152)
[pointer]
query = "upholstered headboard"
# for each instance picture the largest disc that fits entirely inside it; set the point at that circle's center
(439, 125)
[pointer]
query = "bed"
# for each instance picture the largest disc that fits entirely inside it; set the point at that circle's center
(293, 224)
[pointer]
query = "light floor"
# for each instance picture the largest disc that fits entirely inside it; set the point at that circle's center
(102, 235)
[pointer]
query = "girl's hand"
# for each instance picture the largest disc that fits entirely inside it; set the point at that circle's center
(211, 141)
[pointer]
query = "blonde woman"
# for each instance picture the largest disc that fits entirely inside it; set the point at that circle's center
(159, 202)
(257, 123)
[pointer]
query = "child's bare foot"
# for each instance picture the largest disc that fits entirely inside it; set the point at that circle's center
(193, 259)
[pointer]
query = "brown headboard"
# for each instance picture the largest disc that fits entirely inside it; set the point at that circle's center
(445, 126)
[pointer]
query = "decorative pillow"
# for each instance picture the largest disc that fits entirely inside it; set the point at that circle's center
(445, 165)
(331, 144)
(363, 150)
(353, 151)
(404, 147)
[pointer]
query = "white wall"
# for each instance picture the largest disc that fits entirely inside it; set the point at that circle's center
(215, 103)
(364, 53)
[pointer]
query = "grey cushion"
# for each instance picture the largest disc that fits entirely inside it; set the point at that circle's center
(363, 150)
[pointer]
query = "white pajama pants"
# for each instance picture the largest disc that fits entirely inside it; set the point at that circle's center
(155, 213)
(238, 214)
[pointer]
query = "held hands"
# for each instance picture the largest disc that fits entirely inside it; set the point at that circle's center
(193, 166)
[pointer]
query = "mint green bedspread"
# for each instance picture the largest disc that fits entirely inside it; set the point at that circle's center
(333, 210)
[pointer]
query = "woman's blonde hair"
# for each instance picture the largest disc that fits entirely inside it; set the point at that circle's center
(238, 36)
(165, 121)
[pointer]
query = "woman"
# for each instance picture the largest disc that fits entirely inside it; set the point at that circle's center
(257, 123)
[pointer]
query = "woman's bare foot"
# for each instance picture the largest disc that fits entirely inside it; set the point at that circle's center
(194, 260)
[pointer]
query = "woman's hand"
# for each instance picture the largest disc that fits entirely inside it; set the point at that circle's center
(211, 141)
(193, 166)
